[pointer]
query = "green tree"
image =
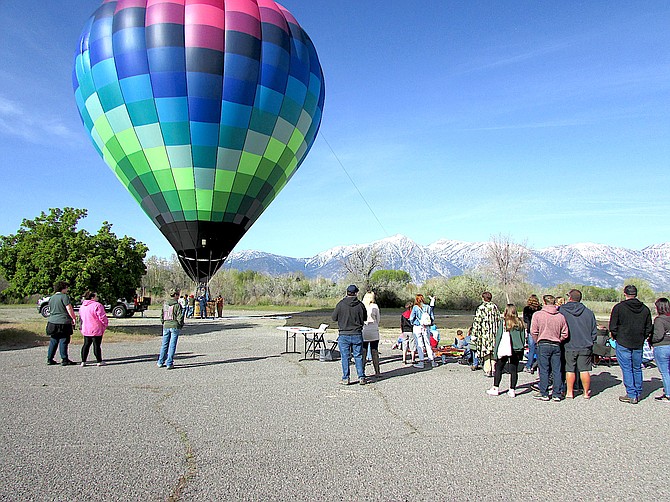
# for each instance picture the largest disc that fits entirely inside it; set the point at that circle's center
(382, 278)
(49, 248)
(644, 291)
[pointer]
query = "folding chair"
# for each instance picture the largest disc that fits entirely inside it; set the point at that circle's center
(314, 341)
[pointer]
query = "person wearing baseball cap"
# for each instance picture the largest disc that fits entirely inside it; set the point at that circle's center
(172, 318)
(350, 315)
(630, 324)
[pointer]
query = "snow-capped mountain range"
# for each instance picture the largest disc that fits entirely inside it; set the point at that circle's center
(584, 263)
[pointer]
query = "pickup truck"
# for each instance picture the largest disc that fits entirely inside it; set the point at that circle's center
(122, 307)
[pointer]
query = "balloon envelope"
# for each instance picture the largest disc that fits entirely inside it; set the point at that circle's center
(204, 109)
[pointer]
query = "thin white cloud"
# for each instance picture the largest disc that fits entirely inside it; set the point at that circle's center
(18, 122)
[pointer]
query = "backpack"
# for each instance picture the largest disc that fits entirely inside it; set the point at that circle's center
(425, 320)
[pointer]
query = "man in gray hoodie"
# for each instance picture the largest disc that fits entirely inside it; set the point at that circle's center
(582, 332)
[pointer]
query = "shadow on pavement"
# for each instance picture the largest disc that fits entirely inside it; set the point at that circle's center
(146, 358)
(602, 381)
(226, 361)
(650, 386)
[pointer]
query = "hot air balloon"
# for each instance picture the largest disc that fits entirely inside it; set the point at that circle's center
(204, 110)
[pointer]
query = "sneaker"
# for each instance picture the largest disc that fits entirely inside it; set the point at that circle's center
(418, 365)
(474, 368)
(363, 381)
(170, 367)
(102, 363)
(493, 391)
(511, 393)
(67, 362)
(344, 382)
(540, 397)
(556, 399)
(433, 364)
(160, 365)
(662, 397)
(51, 362)
(83, 364)
(629, 400)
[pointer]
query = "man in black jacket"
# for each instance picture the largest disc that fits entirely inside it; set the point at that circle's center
(350, 315)
(582, 332)
(630, 324)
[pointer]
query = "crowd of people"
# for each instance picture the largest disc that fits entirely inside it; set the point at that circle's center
(559, 336)
(557, 339)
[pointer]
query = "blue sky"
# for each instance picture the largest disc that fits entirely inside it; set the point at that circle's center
(547, 121)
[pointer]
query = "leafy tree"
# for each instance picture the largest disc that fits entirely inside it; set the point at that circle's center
(461, 292)
(382, 278)
(163, 274)
(50, 248)
(644, 291)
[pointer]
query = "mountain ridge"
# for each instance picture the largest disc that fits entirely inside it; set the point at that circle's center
(582, 263)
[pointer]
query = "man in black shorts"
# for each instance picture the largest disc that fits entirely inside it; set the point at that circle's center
(582, 332)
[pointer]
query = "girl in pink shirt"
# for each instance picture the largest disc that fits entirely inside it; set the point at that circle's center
(93, 324)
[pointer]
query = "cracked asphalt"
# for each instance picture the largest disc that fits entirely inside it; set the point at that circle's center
(238, 420)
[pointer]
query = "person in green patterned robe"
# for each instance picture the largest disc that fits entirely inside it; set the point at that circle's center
(484, 329)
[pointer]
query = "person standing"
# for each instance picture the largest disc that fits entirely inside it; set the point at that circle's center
(371, 330)
(582, 333)
(549, 329)
(660, 341)
(484, 329)
(408, 340)
(532, 306)
(60, 323)
(93, 324)
(421, 319)
(202, 302)
(191, 306)
(510, 341)
(350, 315)
(219, 306)
(172, 318)
(630, 324)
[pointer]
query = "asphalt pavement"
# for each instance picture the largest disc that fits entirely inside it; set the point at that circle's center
(238, 420)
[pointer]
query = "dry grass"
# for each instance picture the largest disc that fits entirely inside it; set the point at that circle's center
(16, 335)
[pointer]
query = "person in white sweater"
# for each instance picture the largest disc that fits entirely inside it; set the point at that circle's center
(371, 330)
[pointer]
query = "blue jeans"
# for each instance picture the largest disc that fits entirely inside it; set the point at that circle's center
(168, 347)
(549, 360)
(630, 362)
(662, 357)
(348, 344)
(531, 351)
(62, 344)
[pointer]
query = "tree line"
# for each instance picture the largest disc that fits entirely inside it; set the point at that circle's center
(51, 248)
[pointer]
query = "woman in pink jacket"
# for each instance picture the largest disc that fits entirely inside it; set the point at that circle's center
(93, 324)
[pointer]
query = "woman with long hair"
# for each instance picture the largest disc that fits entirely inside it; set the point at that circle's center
(660, 341)
(93, 324)
(508, 348)
(532, 306)
(421, 319)
(371, 330)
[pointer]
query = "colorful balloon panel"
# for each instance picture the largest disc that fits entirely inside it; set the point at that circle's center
(204, 109)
